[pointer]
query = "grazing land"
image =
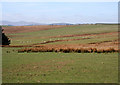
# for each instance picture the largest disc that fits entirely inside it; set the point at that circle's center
(61, 54)
(103, 33)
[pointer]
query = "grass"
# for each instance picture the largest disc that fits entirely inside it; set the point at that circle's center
(36, 37)
(44, 67)
(81, 29)
(93, 40)
(59, 67)
(33, 40)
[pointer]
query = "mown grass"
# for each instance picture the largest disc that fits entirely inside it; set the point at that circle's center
(59, 67)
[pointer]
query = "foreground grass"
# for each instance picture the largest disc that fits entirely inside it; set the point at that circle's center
(59, 67)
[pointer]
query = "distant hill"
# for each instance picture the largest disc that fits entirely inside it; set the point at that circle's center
(107, 23)
(60, 24)
(21, 23)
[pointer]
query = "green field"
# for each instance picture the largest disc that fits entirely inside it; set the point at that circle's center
(37, 36)
(59, 67)
(51, 67)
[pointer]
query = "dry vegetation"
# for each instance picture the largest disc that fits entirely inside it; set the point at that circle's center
(101, 47)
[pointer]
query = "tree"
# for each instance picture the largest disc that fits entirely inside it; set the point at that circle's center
(5, 39)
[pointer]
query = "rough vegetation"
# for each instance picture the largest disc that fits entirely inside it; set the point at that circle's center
(103, 47)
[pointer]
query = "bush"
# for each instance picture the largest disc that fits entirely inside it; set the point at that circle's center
(5, 39)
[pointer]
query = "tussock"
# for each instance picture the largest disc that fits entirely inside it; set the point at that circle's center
(69, 50)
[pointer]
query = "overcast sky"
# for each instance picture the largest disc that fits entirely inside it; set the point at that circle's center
(60, 12)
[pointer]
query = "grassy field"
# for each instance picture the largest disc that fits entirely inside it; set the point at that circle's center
(51, 67)
(59, 67)
(53, 34)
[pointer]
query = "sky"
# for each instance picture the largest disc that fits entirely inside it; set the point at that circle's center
(60, 12)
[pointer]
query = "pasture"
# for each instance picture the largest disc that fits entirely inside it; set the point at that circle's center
(61, 33)
(59, 67)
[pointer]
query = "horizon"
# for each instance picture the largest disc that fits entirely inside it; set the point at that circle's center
(60, 12)
(36, 23)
